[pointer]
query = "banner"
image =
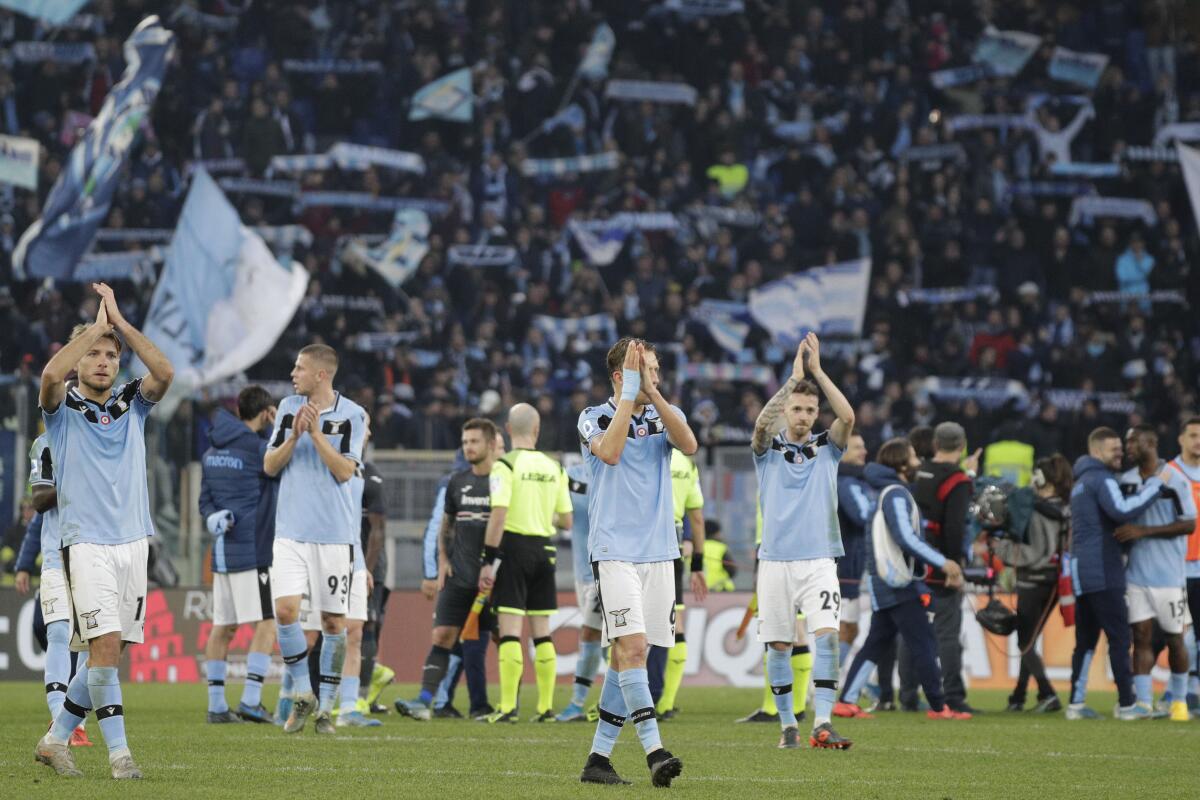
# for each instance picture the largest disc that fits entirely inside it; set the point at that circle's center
(1050, 188)
(1189, 163)
(82, 195)
(559, 329)
(345, 155)
(269, 188)
(52, 12)
(936, 153)
(19, 161)
(722, 371)
(727, 322)
(571, 117)
(1005, 52)
(1081, 69)
(222, 300)
(602, 239)
(1083, 169)
(58, 52)
(1073, 399)
(554, 167)
(370, 202)
(959, 76)
(730, 217)
(398, 257)
(599, 53)
(1085, 209)
(1166, 296)
(1177, 131)
(323, 66)
(1162, 153)
(946, 296)
(136, 266)
(481, 255)
(970, 122)
(448, 98)
(651, 92)
(705, 8)
(830, 300)
(988, 392)
(802, 130)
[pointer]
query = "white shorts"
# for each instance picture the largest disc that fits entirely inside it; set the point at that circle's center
(108, 590)
(55, 596)
(1167, 605)
(242, 597)
(587, 595)
(358, 596)
(318, 573)
(638, 598)
(785, 587)
(851, 610)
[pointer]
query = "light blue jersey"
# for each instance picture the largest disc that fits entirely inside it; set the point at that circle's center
(578, 477)
(41, 473)
(797, 491)
(1191, 567)
(313, 505)
(100, 465)
(631, 513)
(1154, 561)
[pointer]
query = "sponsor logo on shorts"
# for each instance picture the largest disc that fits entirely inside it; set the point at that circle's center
(619, 620)
(90, 616)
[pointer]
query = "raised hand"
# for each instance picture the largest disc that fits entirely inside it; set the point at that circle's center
(798, 362)
(813, 345)
(633, 356)
(108, 300)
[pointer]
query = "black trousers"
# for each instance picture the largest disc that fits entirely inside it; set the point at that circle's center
(1095, 612)
(947, 627)
(1032, 602)
(909, 622)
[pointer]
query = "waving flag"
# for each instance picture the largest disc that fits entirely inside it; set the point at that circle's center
(448, 98)
(80, 199)
(599, 53)
(828, 300)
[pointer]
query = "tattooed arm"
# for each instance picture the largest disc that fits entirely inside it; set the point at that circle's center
(768, 419)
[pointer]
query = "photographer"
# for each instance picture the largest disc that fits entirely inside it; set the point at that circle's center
(1035, 557)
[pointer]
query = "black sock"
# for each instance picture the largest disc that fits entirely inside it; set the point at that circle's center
(436, 664)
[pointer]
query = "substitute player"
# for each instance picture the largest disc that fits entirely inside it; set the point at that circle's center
(626, 444)
(98, 437)
(1156, 584)
(797, 491)
(315, 448)
(587, 662)
(42, 536)
(529, 500)
(237, 502)
(466, 509)
(688, 501)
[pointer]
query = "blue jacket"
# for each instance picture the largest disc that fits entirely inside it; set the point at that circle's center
(429, 542)
(31, 546)
(1097, 509)
(233, 480)
(856, 502)
(897, 512)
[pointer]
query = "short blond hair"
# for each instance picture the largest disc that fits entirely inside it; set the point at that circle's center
(324, 355)
(81, 329)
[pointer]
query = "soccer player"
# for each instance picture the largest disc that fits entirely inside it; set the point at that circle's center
(1157, 585)
(1187, 463)
(237, 502)
(626, 444)
(587, 662)
(467, 508)
(797, 490)
(42, 536)
(530, 499)
(315, 448)
(97, 435)
(854, 515)
(688, 500)
(373, 677)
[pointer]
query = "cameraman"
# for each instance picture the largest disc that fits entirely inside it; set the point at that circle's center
(1036, 561)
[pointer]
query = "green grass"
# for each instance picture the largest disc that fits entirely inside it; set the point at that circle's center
(895, 756)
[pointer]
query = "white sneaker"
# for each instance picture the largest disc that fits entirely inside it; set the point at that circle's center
(123, 768)
(57, 756)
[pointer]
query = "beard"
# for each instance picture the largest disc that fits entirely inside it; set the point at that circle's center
(91, 383)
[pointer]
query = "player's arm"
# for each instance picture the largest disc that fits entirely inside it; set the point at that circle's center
(698, 581)
(44, 497)
(154, 385)
(768, 419)
(54, 375)
(340, 466)
(31, 546)
(1123, 509)
(376, 524)
(679, 433)
(279, 453)
(500, 494)
(609, 446)
(1128, 532)
(564, 517)
(839, 431)
(444, 570)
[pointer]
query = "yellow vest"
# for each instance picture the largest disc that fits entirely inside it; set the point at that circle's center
(715, 575)
(1009, 460)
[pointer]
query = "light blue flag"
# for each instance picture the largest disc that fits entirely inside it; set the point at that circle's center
(82, 195)
(599, 53)
(19, 161)
(53, 12)
(1082, 69)
(829, 300)
(398, 257)
(448, 98)
(223, 299)
(1005, 52)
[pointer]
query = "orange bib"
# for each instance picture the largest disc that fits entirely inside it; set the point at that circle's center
(1193, 545)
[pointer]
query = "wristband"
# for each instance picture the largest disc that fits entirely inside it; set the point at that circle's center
(631, 384)
(698, 562)
(490, 554)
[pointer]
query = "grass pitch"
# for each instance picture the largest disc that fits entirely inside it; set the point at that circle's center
(897, 755)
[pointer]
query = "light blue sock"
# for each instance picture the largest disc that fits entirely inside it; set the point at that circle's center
(58, 664)
(349, 693)
(1079, 690)
(843, 651)
(333, 656)
(635, 688)
(1144, 689)
(613, 713)
(257, 667)
(104, 686)
(285, 684)
(442, 698)
(586, 664)
(216, 672)
(1178, 685)
(76, 704)
(825, 677)
(294, 649)
(779, 674)
(856, 682)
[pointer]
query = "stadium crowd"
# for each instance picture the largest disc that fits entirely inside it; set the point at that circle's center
(1033, 308)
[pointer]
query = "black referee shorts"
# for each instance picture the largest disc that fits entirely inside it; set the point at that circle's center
(454, 603)
(525, 584)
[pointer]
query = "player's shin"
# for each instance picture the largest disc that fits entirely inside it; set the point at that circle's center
(216, 670)
(433, 673)
(635, 687)
(768, 701)
(779, 673)
(294, 649)
(613, 712)
(825, 676)
(586, 665)
(512, 665)
(104, 688)
(58, 664)
(546, 669)
(257, 667)
(333, 657)
(76, 705)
